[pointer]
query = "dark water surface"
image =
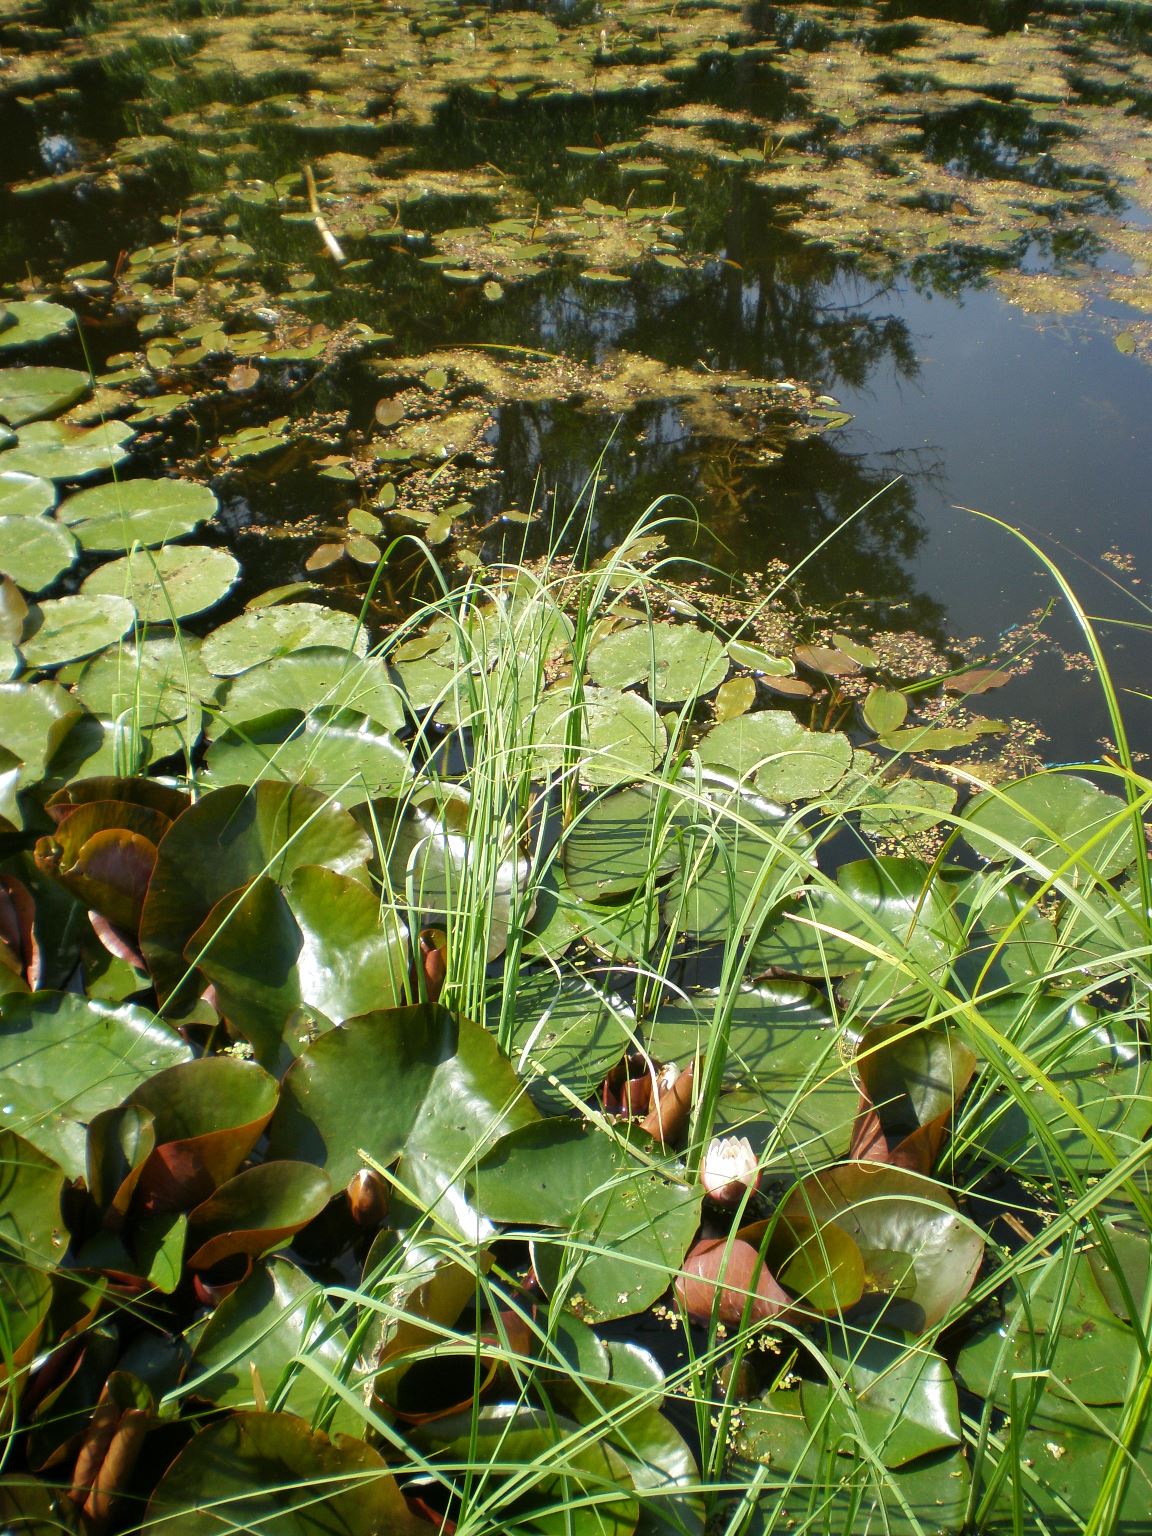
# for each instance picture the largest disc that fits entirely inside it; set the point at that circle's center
(957, 395)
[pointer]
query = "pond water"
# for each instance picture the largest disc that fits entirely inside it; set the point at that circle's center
(776, 260)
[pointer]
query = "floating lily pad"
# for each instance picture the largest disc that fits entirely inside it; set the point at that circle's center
(449, 1095)
(34, 722)
(65, 1058)
(268, 1470)
(54, 450)
(126, 513)
(318, 677)
(158, 681)
(29, 393)
(168, 584)
(786, 761)
(619, 736)
(321, 942)
(30, 321)
(25, 495)
(629, 1222)
(225, 840)
(34, 551)
(340, 753)
(1052, 820)
(566, 1034)
(674, 661)
(74, 627)
(263, 633)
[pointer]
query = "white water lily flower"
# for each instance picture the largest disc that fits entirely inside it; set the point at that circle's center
(729, 1168)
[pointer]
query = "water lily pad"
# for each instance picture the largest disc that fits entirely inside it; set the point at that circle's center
(616, 843)
(566, 1034)
(207, 1115)
(341, 753)
(34, 551)
(226, 839)
(256, 1334)
(915, 1244)
(158, 681)
(619, 736)
(1052, 820)
(787, 1085)
(30, 321)
(144, 513)
(450, 1095)
(786, 761)
(64, 1058)
(168, 584)
(320, 677)
(263, 633)
(25, 495)
(269, 1471)
(321, 942)
(34, 722)
(625, 1222)
(256, 1211)
(908, 805)
(29, 393)
(674, 661)
(56, 451)
(31, 1224)
(74, 627)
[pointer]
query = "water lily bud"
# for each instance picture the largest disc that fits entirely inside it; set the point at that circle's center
(367, 1198)
(729, 1168)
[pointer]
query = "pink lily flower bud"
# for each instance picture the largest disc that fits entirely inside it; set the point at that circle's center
(729, 1168)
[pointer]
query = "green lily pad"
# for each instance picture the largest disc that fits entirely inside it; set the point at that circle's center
(619, 736)
(566, 1034)
(787, 1085)
(821, 1470)
(909, 805)
(323, 676)
(229, 837)
(34, 722)
(255, 1336)
(900, 1394)
(674, 661)
(268, 1471)
(614, 845)
(916, 1247)
(257, 1210)
(34, 551)
(1093, 1094)
(1050, 821)
(30, 321)
(31, 1224)
(626, 1223)
(64, 1058)
(586, 1477)
(322, 942)
(158, 681)
(429, 859)
(342, 754)
(737, 852)
(787, 761)
(140, 513)
(168, 584)
(449, 1095)
(29, 393)
(263, 633)
(56, 451)
(25, 495)
(73, 627)
(1054, 1322)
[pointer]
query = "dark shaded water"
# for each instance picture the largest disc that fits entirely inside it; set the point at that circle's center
(957, 396)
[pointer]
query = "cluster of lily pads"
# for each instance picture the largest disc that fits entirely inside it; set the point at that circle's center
(375, 1017)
